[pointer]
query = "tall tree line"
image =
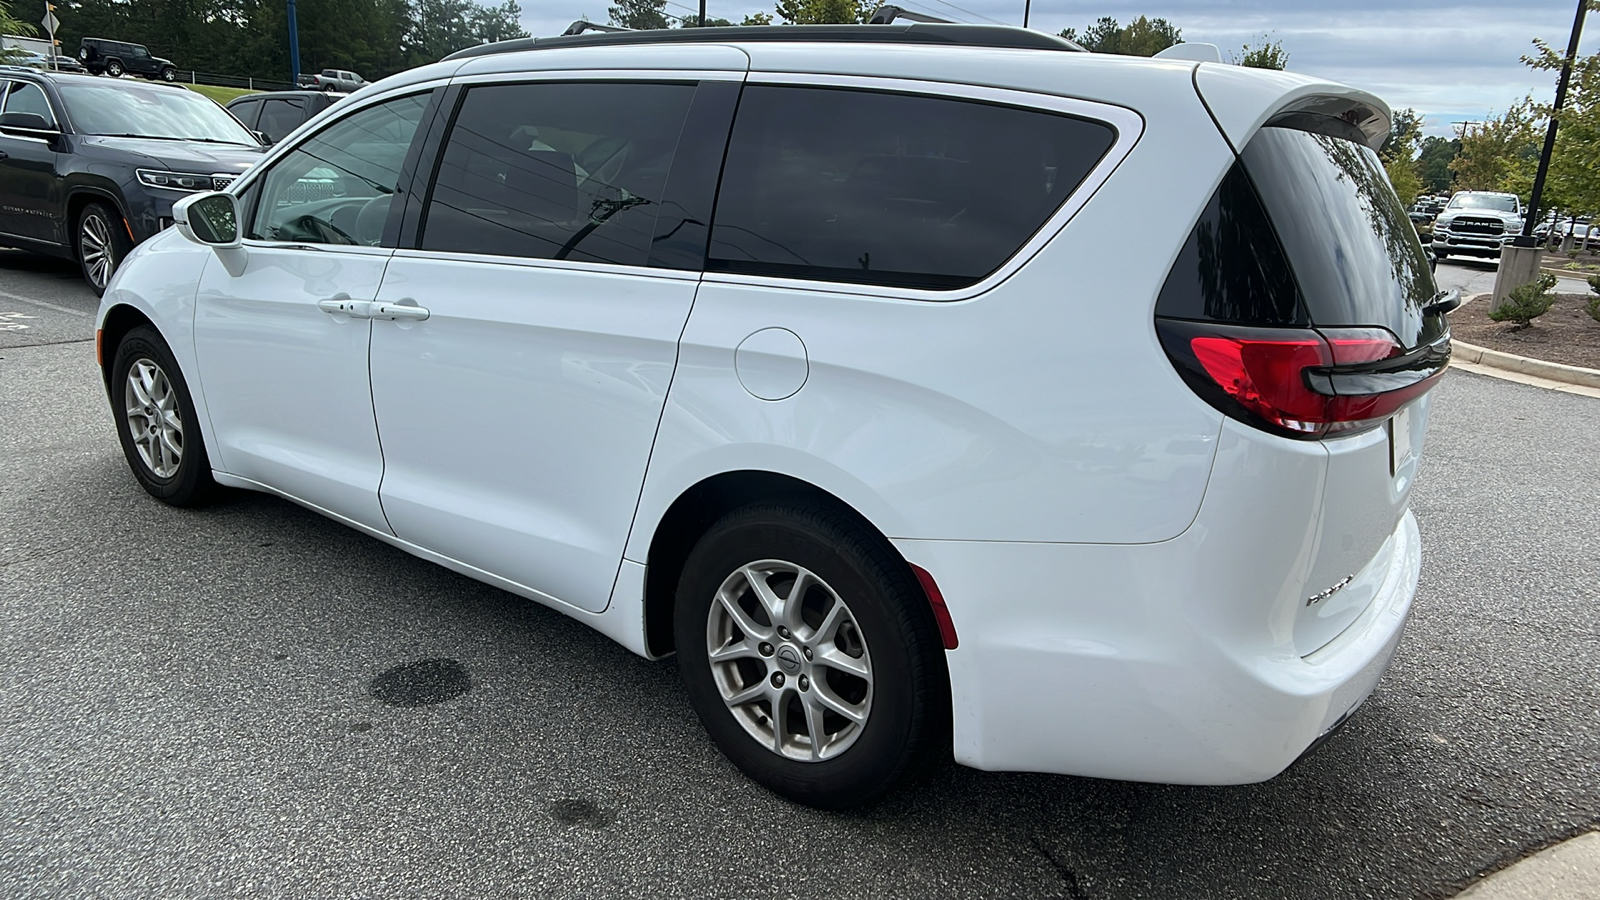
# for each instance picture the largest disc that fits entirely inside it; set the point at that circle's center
(251, 37)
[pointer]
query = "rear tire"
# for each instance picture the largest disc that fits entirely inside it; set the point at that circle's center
(829, 698)
(156, 421)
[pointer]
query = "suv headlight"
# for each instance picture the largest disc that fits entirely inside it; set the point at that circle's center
(188, 182)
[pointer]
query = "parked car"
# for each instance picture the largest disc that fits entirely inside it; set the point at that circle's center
(274, 114)
(100, 56)
(62, 63)
(90, 167)
(333, 81)
(819, 358)
(1477, 223)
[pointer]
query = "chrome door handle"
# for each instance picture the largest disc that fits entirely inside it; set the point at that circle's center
(404, 309)
(342, 304)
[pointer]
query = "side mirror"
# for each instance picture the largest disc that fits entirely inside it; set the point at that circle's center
(264, 138)
(210, 218)
(33, 123)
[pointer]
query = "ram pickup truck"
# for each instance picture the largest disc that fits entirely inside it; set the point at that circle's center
(1477, 223)
(333, 80)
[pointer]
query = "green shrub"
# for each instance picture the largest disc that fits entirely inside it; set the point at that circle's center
(1593, 307)
(1594, 283)
(1527, 302)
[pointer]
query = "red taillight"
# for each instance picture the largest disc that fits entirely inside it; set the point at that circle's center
(1264, 376)
(1300, 382)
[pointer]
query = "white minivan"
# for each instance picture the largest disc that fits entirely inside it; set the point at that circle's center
(930, 390)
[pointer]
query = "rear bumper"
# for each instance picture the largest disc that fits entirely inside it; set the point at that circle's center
(1135, 662)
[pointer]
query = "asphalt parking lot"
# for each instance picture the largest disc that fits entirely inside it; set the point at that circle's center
(218, 702)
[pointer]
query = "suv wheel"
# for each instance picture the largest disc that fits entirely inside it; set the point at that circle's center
(102, 244)
(169, 74)
(809, 654)
(328, 88)
(114, 68)
(156, 422)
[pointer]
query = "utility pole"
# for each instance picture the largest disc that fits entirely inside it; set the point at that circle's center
(702, 13)
(1027, 6)
(294, 47)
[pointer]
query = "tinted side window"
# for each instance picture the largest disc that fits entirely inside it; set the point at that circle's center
(335, 187)
(556, 170)
(1232, 269)
(28, 98)
(245, 111)
(279, 117)
(894, 189)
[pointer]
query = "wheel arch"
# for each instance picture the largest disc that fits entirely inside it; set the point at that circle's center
(79, 196)
(696, 509)
(119, 320)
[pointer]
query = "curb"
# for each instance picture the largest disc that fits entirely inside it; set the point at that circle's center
(1522, 365)
(1566, 273)
(1569, 870)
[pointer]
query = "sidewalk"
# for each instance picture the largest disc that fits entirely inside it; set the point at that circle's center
(1568, 871)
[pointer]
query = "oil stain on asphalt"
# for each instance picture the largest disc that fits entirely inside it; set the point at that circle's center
(579, 812)
(421, 683)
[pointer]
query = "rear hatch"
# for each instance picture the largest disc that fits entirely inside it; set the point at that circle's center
(1303, 306)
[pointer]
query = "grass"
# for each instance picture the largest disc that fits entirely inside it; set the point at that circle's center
(220, 94)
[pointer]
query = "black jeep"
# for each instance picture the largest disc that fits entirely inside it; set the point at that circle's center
(105, 57)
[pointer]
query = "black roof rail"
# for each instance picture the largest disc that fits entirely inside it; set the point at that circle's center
(948, 34)
(887, 14)
(582, 25)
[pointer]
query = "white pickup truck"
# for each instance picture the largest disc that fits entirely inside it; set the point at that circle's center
(1476, 223)
(333, 81)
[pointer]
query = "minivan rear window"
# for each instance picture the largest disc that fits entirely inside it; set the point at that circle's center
(871, 187)
(1304, 230)
(1354, 250)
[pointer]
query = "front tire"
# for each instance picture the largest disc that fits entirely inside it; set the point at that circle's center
(169, 74)
(114, 69)
(156, 421)
(103, 244)
(810, 655)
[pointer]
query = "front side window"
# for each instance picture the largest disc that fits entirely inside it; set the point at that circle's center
(335, 187)
(554, 170)
(28, 98)
(893, 189)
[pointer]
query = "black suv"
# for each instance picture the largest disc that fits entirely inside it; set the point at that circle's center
(89, 167)
(104, 57)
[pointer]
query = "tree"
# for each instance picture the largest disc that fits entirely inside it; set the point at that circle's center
(498, 23)
(639, 14)
(1398, 154)
(10, 24)
(1574, 178)
(1433, 164)
(759, 18)
(1499, 154)
(1269, 55)
(825, 12)
(694, 22)
(1141, 37)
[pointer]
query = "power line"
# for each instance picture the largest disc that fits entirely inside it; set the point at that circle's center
(971, 13)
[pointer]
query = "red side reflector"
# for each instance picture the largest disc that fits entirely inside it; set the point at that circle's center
(99, 357)
(941, 613)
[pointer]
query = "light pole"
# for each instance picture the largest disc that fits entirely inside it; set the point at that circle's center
(1519, 260)
(1027, 6)
(294, 47)
(1526, 238)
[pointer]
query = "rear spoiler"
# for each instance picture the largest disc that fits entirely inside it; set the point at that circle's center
(1243, 100)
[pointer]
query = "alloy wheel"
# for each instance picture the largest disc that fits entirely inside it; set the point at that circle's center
(789, 660)
(94, 242)
(154, 421)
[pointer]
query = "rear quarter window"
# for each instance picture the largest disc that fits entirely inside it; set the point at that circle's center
(871, 187)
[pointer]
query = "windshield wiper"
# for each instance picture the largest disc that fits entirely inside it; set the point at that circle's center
(164, 137)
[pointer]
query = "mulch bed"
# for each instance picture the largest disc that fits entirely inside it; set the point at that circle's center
(1565, 334)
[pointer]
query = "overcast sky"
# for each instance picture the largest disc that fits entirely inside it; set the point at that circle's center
(1451, 61)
